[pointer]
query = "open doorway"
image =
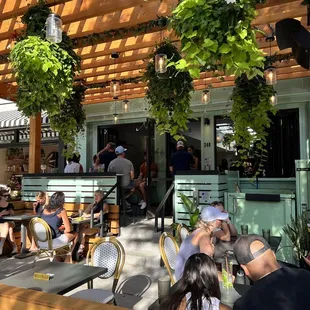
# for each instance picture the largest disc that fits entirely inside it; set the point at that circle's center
(136, 137)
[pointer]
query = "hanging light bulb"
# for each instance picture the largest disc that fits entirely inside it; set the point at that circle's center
(53, 28)
(271, 75)
(274, 99)
(206, 96)
(126, 105)
(115, 85)
(115, 88)
(161, 63)
(115, 118)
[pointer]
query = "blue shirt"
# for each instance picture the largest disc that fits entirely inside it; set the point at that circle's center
(181, 160)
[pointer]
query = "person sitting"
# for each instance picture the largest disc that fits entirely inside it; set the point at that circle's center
(56, 217)
(96, 167)
(6, 228)
(141, 180)
(198, 288)
(72, 166)
(97, 205)
(199, 241)
(219, 233)
(122, 165)
(275, 287)
(42, 199)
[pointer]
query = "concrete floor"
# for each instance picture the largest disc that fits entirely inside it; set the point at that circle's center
(137, 286)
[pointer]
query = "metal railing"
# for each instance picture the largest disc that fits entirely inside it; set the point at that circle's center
(160, 211)
(101, 223)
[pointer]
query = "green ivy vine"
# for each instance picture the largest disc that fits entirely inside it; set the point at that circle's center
(45, 74)
(250, 110)
(169, 94)
(217, 33)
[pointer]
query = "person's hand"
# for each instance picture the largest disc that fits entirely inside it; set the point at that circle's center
(307, 260)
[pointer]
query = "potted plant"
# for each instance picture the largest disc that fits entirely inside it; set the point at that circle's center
(192, 209)
(299, 234)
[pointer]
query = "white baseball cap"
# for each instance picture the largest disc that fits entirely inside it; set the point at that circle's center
(180, 143)
(120, 150)
(210, 214)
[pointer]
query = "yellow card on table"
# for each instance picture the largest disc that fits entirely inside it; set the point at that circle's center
(41, 276)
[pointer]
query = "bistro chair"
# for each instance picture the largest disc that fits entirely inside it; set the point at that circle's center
(182, 232)
(42, 235)
(169, 250)
(109, 253)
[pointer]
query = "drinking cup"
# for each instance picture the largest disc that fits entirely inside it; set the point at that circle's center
(163, 288)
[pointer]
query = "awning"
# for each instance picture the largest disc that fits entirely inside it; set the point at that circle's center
(14, 118)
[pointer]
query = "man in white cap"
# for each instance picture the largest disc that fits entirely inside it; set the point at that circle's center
(200, 240)
(121, 165)
(180, 160)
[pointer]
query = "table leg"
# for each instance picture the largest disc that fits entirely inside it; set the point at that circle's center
(23, 253)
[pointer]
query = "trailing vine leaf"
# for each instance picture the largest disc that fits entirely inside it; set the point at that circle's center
(169, 94)
(250, 115)
(215, 33)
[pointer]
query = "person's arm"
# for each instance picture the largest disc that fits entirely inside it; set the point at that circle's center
(224, 307)
(65, 221)
(206, 246)
(223, 234)
(195, 166)
(9, 211)
(86, 212)
(104, 149)
(232, 228)
(132, 171)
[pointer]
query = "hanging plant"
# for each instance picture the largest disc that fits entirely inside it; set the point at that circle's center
(169, 94)
(45, 73)
(250, 115)
(218, 33)
(70, 119)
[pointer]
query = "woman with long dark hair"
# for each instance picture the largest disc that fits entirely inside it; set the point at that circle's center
(55, 215)
(199, 288)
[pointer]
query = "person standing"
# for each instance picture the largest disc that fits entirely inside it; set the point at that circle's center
(275, 287)
(122, 165)
(106, 155)
(180, 160)
(72, 167)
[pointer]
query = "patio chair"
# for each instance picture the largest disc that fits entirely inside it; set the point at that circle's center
(169, 250)
(42, 235)
(182, 232)
(109, 253)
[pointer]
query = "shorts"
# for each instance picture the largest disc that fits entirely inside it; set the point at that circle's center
(58, 242)
(11, 224)
(131, 185)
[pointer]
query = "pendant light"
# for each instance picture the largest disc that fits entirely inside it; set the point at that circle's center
(115, 114)
(125, 101)
(274, 99)
(114, 85)
(270, 71)
(53, 28)
(206, 93)
(161, 60)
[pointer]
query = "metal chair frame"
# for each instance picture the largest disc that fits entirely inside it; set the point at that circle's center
(120, 258)
(179, 230)
(163, 254)
(50, 251)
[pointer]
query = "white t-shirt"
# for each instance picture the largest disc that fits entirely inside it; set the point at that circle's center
(72, 167)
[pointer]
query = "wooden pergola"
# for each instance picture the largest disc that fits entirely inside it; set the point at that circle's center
(82, 18)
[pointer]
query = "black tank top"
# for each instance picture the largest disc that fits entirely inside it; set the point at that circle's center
(53, 221)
